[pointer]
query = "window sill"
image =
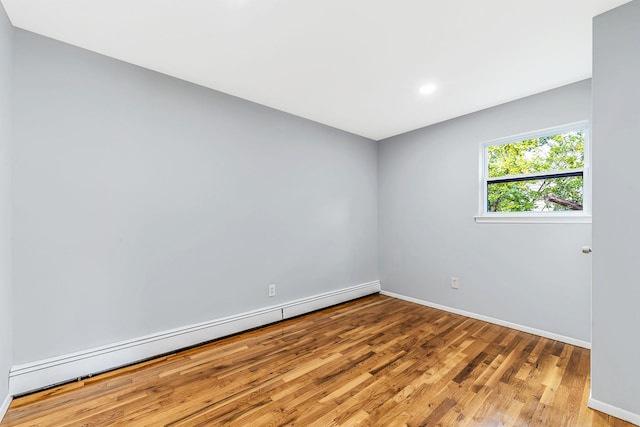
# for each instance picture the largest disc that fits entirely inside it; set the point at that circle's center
(533, 219)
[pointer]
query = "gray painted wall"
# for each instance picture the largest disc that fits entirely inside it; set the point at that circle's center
(615, 379)
(144, 203)
(428, 180)
(6, 77)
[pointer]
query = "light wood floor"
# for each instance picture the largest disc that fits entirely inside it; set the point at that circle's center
(375, 361)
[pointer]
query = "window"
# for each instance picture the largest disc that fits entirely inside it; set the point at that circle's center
(537, 177)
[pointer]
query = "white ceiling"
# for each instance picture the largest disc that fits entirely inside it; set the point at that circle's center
(356, 65)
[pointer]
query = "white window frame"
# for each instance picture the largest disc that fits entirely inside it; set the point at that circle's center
(583, 216)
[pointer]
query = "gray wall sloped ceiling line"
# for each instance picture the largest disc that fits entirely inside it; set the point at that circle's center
(528, 274)
(144, 203)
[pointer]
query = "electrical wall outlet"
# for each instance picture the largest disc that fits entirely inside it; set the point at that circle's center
(272, 290)
(455, 283)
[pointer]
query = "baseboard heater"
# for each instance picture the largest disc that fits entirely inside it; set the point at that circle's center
(46, 373)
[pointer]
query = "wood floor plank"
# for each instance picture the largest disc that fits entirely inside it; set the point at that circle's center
(376, 361)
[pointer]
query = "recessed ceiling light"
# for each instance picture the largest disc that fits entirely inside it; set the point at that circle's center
(428, 89)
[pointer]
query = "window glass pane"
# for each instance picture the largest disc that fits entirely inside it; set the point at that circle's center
(537, 195)
(547, 153)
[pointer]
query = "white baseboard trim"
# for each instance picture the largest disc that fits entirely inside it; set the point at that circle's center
(614, 411)
(4, 406)
(44, 373)
(527, 329)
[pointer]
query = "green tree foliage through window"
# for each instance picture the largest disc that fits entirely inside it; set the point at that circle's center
(536, 175)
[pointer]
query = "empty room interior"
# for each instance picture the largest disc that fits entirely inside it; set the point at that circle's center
(244, 212)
